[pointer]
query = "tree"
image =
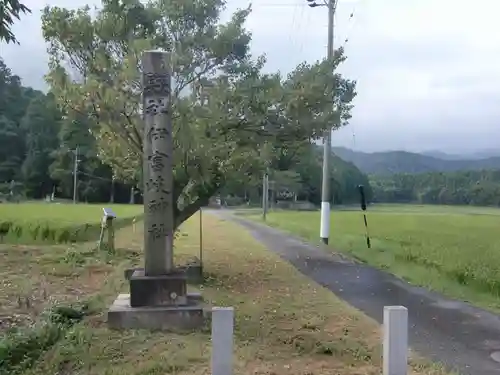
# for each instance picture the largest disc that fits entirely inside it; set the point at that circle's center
(286, 184)
(10, 9)
(224, 108)
(480, 188)
(10, 142)
(344, 178)
(40, 125)
(94, 178)
(35, 148)
(299, 171)
(14, 99)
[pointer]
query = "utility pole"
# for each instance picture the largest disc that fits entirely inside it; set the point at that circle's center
(265, 189)
(112, 194)
(324, 230)
(265, 154)
(75, 175)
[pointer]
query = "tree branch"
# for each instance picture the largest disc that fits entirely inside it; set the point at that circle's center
(190, 210)
(196, 76)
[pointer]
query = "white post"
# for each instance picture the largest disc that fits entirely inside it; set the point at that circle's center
(395, 340)
(222, 340)
(324, 229)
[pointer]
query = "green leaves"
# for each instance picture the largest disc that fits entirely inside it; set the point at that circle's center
(9, 11)
(318, 96)
(224, 109)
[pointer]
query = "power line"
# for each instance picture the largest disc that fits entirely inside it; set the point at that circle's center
(96, 177)
(290, 37)
(351, 21)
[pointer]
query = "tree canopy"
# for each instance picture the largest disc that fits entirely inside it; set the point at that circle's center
(230, 119)
(37, 144)
(299, 177)
(479, 188)
(9, 11)
(37, 154)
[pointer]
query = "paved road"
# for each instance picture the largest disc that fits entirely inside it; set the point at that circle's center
(456, 334)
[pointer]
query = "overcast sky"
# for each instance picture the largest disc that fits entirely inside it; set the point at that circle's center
(428, 71)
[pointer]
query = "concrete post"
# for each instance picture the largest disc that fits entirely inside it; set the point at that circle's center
(101, 236)
(111, 234)
(222, 340)
(395, 340)
(158, 176)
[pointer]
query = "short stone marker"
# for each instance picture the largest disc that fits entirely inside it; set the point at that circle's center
(158, 292)
(222, 340)
(395, 340)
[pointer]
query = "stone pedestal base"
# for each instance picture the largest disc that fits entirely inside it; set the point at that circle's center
(162, 290)
(193, 271)
(158, 302)
(167, 318)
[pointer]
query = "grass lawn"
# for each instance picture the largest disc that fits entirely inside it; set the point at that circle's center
(285, 324)
(454, 250)
(58, 223)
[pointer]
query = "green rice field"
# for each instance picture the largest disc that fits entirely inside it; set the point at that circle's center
(58, 223)
(453, 250)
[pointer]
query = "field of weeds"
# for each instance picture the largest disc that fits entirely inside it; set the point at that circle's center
(54, 301)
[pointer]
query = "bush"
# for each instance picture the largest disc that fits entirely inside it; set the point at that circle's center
(20, 349)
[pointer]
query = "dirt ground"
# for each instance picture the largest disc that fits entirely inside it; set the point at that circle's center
(285, 324)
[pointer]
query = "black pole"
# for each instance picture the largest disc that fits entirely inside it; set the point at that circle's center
(363, 208)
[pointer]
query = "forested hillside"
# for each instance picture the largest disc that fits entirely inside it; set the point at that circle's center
(405, 177)
(385, 163)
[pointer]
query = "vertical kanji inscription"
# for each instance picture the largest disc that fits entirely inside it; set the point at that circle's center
(157, 163)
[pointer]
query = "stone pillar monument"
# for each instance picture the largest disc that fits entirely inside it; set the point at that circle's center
(157, 165)
(158, 296)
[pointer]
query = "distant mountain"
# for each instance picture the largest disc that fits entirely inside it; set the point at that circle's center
(445, 156)
(484, 154)
(389, 162)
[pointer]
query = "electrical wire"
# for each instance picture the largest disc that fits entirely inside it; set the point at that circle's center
(304, 37)
(94, 176)
(351, 23)
(292, 40)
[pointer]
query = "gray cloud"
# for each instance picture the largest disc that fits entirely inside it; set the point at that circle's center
(427, 71)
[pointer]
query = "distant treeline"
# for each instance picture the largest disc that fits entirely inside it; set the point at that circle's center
(479, 188)
(38, 146)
